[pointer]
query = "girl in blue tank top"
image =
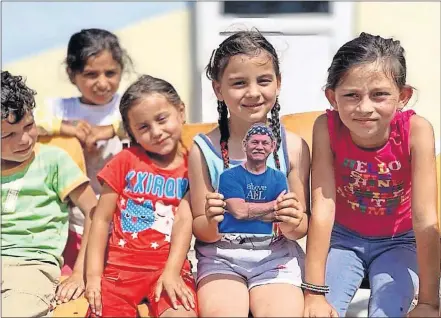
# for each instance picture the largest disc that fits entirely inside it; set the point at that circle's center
(261, 274)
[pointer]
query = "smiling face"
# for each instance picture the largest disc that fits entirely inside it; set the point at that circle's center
(99, 80)
(258, 147)
(156, 124)
(18, 140)
(367, 100)
(249, 86)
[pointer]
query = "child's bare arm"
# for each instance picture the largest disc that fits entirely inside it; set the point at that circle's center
(84, 198)
(424, 216)
(180, 236)
(298, 180)
(321, 220)
(180, 242)
(99, 232)
(199, 188)
(323, 204)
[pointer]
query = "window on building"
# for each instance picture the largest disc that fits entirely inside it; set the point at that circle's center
(256, 8)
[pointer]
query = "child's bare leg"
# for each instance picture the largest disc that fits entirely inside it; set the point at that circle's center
(180, 312)
(221, 295)
(276, 300)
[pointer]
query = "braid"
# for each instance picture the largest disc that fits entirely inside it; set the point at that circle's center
(224, 131)
(275, 126)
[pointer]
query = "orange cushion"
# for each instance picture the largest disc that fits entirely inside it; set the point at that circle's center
(301, 124)
(191, 130)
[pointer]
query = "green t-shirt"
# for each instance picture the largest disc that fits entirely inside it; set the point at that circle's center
(34, 208)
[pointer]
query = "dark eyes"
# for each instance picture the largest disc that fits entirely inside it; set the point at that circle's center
(260, 81)
(263, 143)
(27, 127)
(162, 118)
(95, 74)
(90, 74)
(376, 94)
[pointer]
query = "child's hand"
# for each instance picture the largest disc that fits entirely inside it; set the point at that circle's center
(93, 295)
(98, 133)
(174, 286)
(317, 306)
(76, 128)
(424, 310)
(82, 130)
(288, 209)
(70, 288)
(214, 207)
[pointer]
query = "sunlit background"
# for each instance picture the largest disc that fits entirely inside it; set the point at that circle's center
(174, 40)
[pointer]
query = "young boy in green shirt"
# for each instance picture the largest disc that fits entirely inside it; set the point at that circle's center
(37, 183)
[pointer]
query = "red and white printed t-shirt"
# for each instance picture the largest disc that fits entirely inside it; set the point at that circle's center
(148, 199)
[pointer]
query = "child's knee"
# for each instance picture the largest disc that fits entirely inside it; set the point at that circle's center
(180, 312)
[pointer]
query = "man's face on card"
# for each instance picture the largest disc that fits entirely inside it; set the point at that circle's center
(258, 147)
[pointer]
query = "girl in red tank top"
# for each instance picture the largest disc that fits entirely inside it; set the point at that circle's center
(373, 190)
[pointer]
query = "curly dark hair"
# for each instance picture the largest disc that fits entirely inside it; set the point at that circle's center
(17, 98)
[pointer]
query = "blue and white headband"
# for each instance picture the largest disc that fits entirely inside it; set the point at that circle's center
(259, 129)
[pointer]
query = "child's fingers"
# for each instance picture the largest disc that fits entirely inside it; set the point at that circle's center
(218, 218)
(215, 211)
(71, 290)
(62, 291)
(158, 291)
(280, 196)
(189, 295)
(85, 126)
(214, 203)
(214, 195)
(78, 292)
(91, 300)
(184, 299)
(172, 295)
(186, 296)
(98, 304)
(289, 203)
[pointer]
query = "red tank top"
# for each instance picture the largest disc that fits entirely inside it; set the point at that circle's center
(373, 187)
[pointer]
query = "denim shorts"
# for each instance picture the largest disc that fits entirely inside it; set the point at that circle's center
(390, 264)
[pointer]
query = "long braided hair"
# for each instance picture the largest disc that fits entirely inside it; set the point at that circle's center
(250, 43)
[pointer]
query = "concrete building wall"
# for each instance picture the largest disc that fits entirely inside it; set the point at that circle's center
(417, 26)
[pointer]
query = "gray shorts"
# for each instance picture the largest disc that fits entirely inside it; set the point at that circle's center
(281, 261)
